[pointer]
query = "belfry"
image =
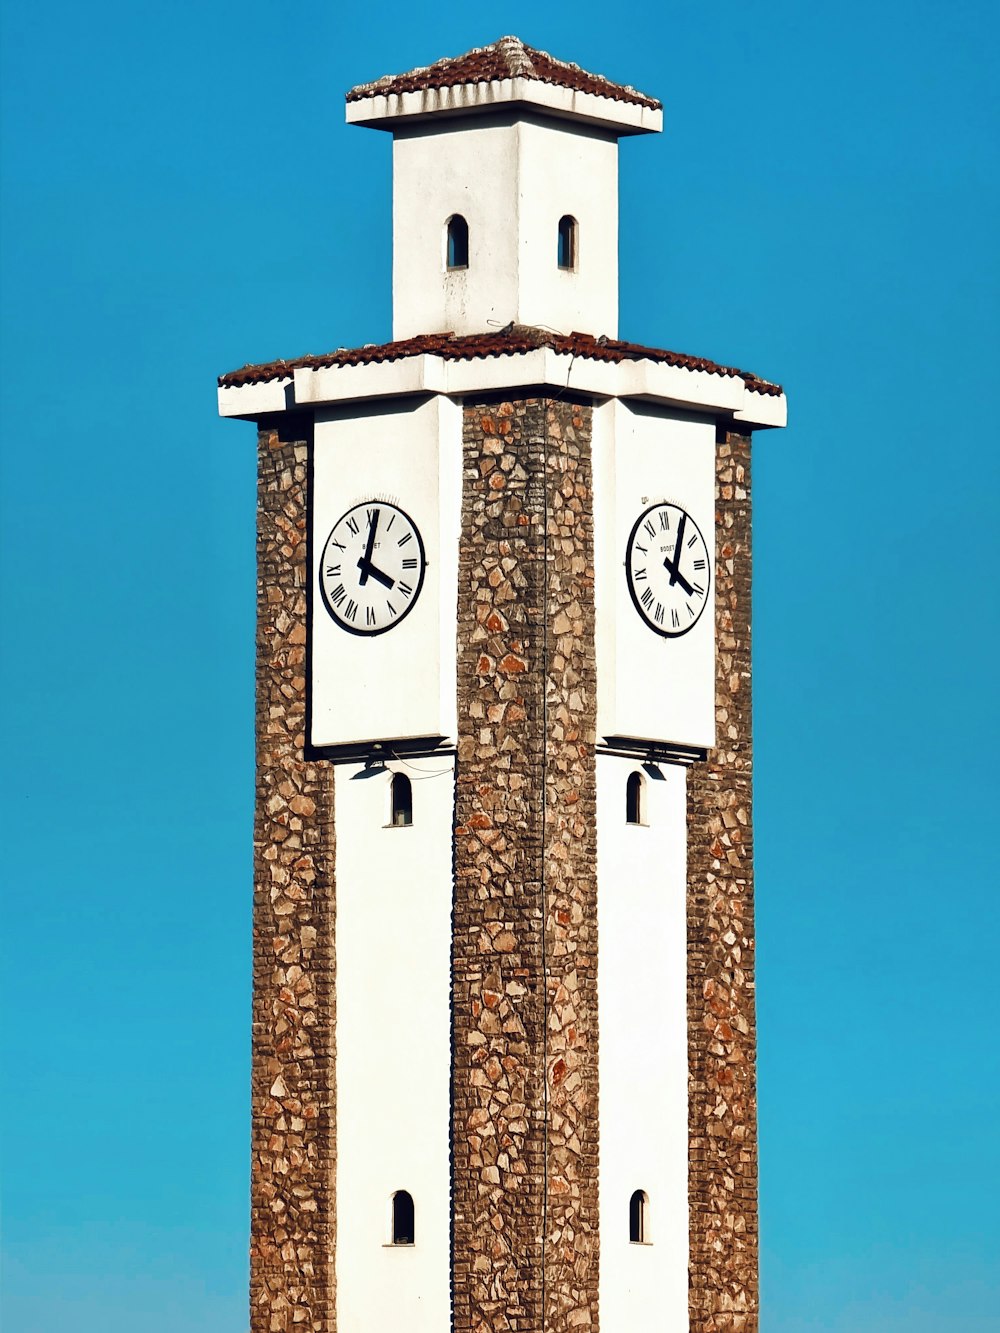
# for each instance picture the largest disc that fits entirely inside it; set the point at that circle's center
(503, 1014)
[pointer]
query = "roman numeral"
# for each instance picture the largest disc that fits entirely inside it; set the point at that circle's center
(664, 520)
(351, 610)
(689, 611)
(404, 588)
(639, 574)
(696, 587)
(640, 548)
(352, 523)
(404, 539)
(675, 619)
(647, 598)
(339, 546)
(649, 528)
(392, 609)
(410, 563)
(338, 594)
(659, 614)
(371, 515)
(388, 526)
(691, 540)
(369, 616)
(699, 564)
(333, 572)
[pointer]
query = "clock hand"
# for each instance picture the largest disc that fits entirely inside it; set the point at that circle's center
(675, 566)
(677, 577)
(367, 568)
(365, 563)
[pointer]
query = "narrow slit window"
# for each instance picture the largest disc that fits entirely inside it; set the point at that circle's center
(458, 242)
(634, 793)
(638, 1221)
(567, 242)
(402, 1218)
(402, 801)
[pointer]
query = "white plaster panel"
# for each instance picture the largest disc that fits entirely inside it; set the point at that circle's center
(642, 998)
(565, 169)
(651, 687)
(609, 568)
(511, 182)
(393, 934)
(470, 169)
(401, 683)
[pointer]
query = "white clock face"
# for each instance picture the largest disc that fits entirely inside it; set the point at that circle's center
(372, 568)
(668, 569)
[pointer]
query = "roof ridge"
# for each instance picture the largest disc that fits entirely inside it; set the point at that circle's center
(509, 340)
(506, 58)
(516, 57)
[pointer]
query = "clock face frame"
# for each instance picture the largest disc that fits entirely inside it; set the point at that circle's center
(372, 568)
(668, 569)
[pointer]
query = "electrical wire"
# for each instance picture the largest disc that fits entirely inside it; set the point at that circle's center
(428, 775)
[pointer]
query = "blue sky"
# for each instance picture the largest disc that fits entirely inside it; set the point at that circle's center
(180, 195)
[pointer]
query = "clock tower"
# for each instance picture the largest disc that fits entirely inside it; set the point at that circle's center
(503, 1017)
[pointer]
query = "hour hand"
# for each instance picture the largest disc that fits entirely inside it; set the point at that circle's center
(677, 577)
(368, 570)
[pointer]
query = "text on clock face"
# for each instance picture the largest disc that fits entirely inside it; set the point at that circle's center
(372, 567)
(667, 569)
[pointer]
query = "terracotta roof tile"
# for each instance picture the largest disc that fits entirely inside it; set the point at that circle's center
(504, 342)
(507, 58)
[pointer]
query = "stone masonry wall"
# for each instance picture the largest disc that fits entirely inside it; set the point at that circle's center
(721, 1022)
(524, 1128)
(292, 1183)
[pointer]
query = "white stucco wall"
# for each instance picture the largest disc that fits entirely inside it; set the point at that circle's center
(568, 169)
(401, 683)
(393, 933)
(642, 999)
(648, 686)
(512, 180)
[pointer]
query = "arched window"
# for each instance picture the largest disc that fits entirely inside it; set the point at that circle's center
(567, 242)
(457, 255)
(401, 798)
(634, 802)
(638, 1218)
(402, 1218)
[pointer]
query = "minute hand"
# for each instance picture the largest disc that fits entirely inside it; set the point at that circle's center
(365, 563)
(675, 565)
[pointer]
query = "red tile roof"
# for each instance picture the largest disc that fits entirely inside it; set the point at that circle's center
(504, 342)
(508, 58)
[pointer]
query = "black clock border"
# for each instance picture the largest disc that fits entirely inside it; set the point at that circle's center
(352, 629)
(665, 633)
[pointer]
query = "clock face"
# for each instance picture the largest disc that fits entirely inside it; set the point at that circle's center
(372, 568)
(668, 569)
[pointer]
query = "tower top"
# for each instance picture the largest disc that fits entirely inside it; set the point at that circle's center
(506, 73)
(505, 249)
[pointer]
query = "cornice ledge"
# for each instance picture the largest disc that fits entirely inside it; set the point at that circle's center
(540, 367)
